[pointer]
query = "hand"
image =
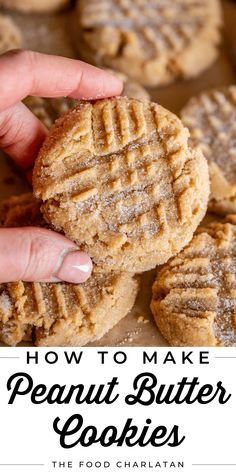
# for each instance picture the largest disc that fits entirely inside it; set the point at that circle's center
(36, 254)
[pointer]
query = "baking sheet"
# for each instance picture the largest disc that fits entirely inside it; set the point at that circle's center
(52, 34)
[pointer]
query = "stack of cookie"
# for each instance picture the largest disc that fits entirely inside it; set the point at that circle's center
(194, 295)
(119, 178)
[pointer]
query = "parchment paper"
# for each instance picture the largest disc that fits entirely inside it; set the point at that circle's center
(53, 34)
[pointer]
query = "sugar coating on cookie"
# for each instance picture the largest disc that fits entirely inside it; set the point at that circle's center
(211, 119)
(10, 34)
(118, 178)
(194, 295)
(49, 109)
(153, 42)
(59, 314)
(28, 6)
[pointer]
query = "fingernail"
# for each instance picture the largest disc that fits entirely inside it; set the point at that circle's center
(76, 267)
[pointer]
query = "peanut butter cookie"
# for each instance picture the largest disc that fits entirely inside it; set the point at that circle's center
(118, 178)
(153, 42)
(39, 6)
(211, 119)
(10, 35)
(194, 295)
(59, 314)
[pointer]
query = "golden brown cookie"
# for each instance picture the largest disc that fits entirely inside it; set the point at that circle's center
(59, 314)
(10, 35)
(117, 176)
(211, 119)
(153, 42)
(49, 109)
(39, 6)
(194, 295)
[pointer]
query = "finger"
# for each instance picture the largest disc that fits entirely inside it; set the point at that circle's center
(52, 76)
(21, 134)
(36, 254)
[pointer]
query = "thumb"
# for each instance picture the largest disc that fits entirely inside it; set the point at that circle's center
(40, 255)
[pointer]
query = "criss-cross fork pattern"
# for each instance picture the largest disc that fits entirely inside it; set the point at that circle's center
(29, 311)
(211, 119)
(153, 42)
(60, 312)
(200, 283)
(152, 25)
(117, 173)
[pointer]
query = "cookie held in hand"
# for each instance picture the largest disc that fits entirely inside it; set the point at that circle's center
(117, 177)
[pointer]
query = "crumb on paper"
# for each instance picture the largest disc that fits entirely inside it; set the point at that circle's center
(141, 319)
(130, 337)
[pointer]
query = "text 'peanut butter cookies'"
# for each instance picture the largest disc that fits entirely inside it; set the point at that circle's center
(10, 35)
(39, 6)
(49, 109)
(59, 314)
(194, 295)
(119, 179)
(153, 42)
(211, 119)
